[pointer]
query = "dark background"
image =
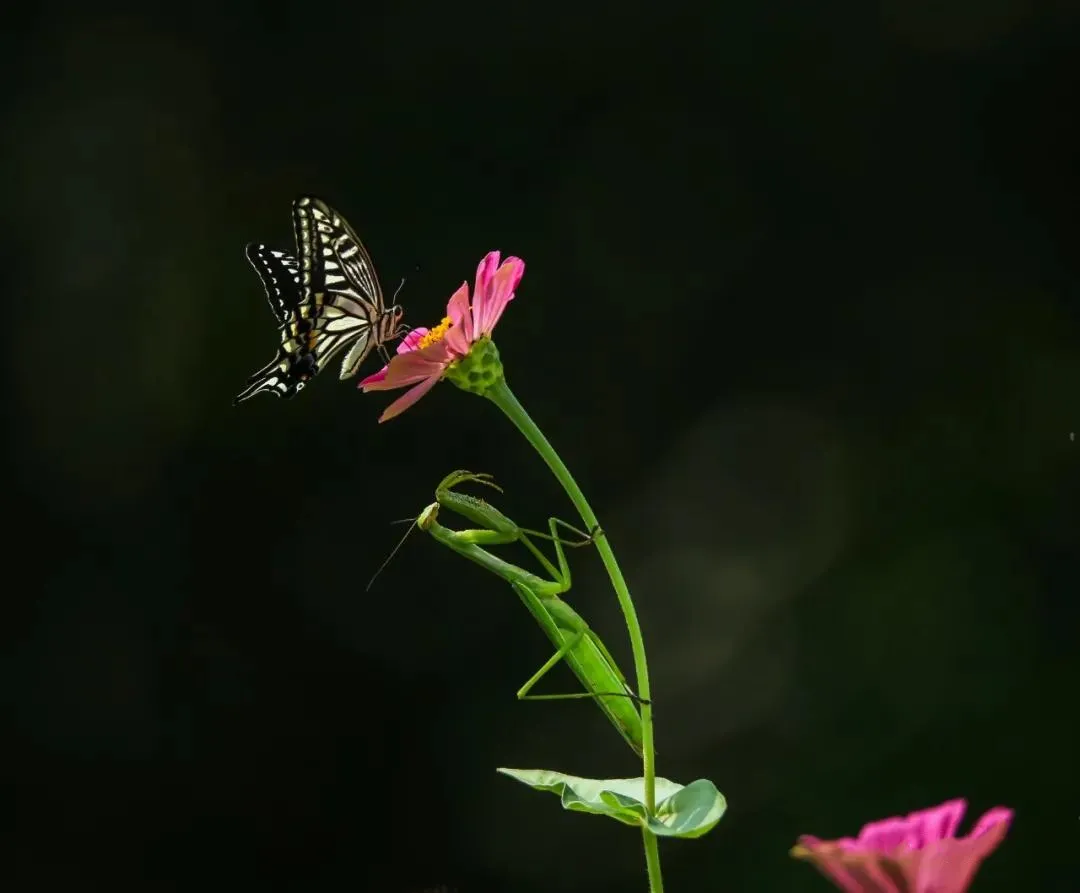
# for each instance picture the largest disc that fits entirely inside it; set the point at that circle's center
(800, 312)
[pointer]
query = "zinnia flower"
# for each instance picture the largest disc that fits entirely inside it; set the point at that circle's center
(917, 854)
(459, 347)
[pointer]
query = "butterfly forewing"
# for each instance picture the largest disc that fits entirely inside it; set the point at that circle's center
(333, 255)
(338, 274)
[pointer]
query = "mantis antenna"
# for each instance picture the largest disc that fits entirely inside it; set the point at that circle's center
(401, 542)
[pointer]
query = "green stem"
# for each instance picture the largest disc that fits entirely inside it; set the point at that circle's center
(652, 861)
(501, 395)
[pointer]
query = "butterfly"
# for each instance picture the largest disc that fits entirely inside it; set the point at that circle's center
(325, 300)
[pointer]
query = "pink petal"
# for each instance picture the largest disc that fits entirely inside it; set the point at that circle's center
(485, 272)
(991, 820)
(950, 865)
(457, 342)
(457, 308)
(832, 861)
(499, 293)
(412, 339)
(374, 378)
(885, 835)
(938, 823)
(408, 398)
(485, 275)
(874, 873)
(408, 368)
(405, 345)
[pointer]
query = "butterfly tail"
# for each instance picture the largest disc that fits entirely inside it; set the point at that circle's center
(270, 379)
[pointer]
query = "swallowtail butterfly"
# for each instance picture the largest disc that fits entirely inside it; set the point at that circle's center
(327, 299)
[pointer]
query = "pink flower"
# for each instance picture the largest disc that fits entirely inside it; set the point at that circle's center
(424, 355)
(917, 854)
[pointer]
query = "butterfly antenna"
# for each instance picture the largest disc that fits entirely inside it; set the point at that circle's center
(397, 291)
(401, 542)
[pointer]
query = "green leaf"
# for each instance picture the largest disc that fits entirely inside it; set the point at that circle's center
(681, 811)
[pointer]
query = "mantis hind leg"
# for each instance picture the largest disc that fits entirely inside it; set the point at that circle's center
(567, 646)
(523, 692)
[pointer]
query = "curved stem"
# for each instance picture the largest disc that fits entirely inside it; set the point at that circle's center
(501, 395)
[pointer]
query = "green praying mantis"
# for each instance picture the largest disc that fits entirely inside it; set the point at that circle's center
(574, 641)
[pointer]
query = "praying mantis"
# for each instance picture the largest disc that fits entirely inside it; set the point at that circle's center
(574, 641)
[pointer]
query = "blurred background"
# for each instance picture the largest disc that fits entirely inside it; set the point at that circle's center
(800, 312)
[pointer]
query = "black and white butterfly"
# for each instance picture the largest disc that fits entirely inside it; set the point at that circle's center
(327, 299)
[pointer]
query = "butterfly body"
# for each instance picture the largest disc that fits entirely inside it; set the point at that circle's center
(327, 299)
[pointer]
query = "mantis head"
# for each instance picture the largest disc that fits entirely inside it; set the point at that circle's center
(427, 517)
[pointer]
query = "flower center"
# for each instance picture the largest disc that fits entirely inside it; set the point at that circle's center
(436, 334)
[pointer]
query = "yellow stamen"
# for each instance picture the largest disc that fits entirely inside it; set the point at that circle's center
(435, 334)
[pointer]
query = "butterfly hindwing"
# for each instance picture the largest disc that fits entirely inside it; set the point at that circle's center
(283, 377)
(280, 275)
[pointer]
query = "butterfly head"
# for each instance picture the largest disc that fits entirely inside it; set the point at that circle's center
(392, 327)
